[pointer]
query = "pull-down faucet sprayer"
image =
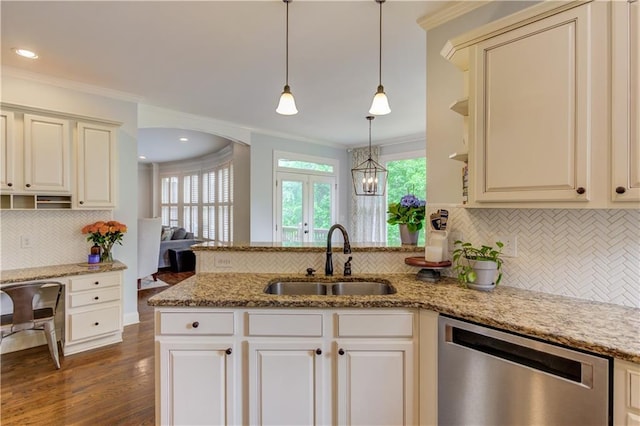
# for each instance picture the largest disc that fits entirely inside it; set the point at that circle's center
(328, 266)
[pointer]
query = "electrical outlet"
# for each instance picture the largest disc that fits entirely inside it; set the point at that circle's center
(223, 261)
(510, 242)
(25, 241)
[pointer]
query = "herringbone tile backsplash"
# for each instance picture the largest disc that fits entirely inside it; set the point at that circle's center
(588, 254)
(55, 237)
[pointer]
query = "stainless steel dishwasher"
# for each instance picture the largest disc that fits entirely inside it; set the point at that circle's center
(491, 377)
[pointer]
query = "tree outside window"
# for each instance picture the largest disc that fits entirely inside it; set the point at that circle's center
(407, 176)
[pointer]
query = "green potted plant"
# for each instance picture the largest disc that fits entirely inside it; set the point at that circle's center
(478, 267)
(409, 214)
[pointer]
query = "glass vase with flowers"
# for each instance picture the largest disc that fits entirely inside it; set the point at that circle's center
(105, 235)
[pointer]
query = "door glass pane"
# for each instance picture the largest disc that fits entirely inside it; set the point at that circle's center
(292, 225)
(321, 214)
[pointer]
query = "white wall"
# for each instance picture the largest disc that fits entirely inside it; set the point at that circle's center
(145, 190)
(70, 247)
(262, 188)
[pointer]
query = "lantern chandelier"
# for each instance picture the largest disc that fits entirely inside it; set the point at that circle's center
(369, 177)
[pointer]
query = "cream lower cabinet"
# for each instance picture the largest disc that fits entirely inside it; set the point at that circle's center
(199, 377)
(93, 309)
(7, 151)
(626, 393)
(290, 366)
(286, 382)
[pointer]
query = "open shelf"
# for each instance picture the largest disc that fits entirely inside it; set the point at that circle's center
(460, 156)
(34, 202)
(461, 106)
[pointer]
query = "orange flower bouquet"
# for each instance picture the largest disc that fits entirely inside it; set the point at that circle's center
(105, 235)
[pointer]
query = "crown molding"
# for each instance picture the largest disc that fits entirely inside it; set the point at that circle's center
(8, 71)
(449, 12)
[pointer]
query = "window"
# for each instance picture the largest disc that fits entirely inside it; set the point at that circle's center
(204, 204)
(406, 176)
(305, 197)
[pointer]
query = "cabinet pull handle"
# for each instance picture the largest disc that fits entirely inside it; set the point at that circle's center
(195, 324)
(81, 202)
(96, 323)
(318, 351)
(228, 351)
(340, 351)
(581, 190)
(28, 185)
(96, 298)
(9, 184)
(97, 282)
(621, 190)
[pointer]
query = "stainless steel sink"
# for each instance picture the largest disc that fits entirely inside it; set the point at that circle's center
(361, 288)
(342, 288)
(296, 288)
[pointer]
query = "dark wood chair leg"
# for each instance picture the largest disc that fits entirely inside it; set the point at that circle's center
(155, 276)
(139, 283)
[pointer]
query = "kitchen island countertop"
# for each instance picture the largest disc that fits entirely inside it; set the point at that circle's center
(607, 329)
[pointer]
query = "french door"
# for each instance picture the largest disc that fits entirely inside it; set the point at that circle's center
(305, 207)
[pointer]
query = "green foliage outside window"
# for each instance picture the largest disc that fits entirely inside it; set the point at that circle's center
(405, 177)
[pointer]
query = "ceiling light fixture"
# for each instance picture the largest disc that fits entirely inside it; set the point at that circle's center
(380, 104)
(25, 53)
(287, 105)
(369, 178)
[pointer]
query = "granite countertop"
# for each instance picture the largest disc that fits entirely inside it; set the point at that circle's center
(56, 271)
(606, 329)
(304, 247)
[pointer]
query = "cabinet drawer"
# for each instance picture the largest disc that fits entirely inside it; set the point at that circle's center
(94, 323)
(92, 282)
(220, 323)
(285, 325)
(375, 325)
(86, 298)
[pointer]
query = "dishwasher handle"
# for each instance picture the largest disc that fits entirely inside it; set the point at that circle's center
(518, 350)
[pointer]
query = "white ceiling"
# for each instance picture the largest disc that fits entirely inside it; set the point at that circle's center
(226, 60)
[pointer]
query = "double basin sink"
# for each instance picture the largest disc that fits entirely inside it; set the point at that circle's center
(338, 288)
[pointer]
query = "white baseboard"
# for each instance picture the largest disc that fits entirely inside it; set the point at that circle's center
(131, 318)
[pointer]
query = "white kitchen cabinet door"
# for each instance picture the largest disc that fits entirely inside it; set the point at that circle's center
(8, 151)
(285, 382)
(625, 105)
(375, 383)
(626, 393)
(96, 166)
(531, 100)
(47, 162)
(199, 379)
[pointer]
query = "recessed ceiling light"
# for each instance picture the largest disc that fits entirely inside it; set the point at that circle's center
(25, 53)
(142, 157)
(184, 139)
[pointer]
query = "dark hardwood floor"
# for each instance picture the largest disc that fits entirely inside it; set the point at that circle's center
(113, 385)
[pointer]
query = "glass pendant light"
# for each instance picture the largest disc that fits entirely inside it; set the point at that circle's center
(287, 105)
(369, 178)
(380, 104)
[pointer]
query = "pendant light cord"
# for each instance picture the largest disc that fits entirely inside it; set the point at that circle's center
(380, 53)
(287, 46)
(370, 118)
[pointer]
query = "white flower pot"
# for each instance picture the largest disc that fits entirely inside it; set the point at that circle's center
(486, 273)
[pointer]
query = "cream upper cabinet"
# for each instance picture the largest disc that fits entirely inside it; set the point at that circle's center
(625, 117)
(47, 161)
(533, 101)
(8, 149)
(95, 152)
(553, 106)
